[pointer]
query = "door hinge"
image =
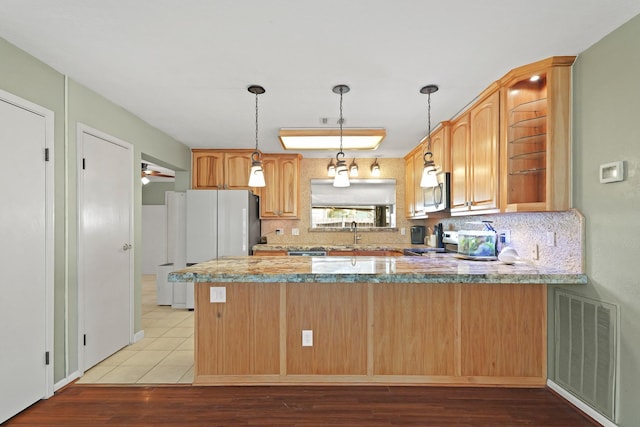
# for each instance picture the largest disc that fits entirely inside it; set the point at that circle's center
(46, 357)
(84, 164)
(84, 339)
(46, 154)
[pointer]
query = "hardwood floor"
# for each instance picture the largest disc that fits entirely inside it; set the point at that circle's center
(371, 406)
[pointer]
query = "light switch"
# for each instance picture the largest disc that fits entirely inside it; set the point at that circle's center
(611, 172)
(217, 294)
(307, 338)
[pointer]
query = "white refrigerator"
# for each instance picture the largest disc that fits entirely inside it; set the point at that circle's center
(221, 223)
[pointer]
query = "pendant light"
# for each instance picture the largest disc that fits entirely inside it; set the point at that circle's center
(353, 168)
(429, 170)
(342, 172)
(331, 169)
(256, 175)
(375, 168)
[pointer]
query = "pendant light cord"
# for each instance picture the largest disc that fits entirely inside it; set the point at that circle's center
(256, 121)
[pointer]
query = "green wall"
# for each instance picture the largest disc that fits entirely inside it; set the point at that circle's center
(28, 78)
(153, 193)
(606, 93)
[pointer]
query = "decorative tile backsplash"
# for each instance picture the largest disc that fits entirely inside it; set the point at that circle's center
(530, 229)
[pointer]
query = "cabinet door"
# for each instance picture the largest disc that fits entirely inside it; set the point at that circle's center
(207, 169)
(439, 147)
(409, 184)
(237, 168)
(269, 194)
(418, 193)
(289, 186)
(484, 157)
(459, 156)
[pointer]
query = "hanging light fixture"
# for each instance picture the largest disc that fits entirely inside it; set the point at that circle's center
(256, 175)
(429, 170)
(353, 168)
(331, 168)
(375, 168)
(342, 173)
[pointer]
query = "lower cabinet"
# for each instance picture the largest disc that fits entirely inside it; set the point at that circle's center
(373, 333)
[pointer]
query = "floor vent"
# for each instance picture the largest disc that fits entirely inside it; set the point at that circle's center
(585, 343)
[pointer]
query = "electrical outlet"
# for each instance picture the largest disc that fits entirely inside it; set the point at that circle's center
(551, 238)
(307, 338)
(506, 234)
(535, 254)
(278, 231)
(295, 231)
(217, 294)
(403, 231)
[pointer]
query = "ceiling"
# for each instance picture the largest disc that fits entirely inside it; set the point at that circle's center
(184, 65)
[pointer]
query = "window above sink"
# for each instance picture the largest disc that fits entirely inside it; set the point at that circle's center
(371, 203)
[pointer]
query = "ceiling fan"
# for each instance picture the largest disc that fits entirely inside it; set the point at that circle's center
(149, 171)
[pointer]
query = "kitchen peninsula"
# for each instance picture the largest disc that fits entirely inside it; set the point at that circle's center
(370, 320)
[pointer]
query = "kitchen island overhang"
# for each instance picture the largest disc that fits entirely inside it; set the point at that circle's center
(376, 320)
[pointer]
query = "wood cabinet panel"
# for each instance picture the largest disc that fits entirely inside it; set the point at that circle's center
(220, 169)
(459, 159)
(484, 158)
(207, 170)
(503, 331)
(536, 137)
(237, 168)
(280, 197)
(475, 158)
(241, 335)
(419, 323)
(269, 253)
(337, 315)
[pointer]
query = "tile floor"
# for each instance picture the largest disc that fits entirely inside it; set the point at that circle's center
(163, 356)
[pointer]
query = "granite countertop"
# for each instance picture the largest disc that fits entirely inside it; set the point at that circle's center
(431, 268)
(328, 247)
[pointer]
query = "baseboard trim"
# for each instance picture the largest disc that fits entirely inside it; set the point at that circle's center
(138, 336)
(588, 410)
(66, 381)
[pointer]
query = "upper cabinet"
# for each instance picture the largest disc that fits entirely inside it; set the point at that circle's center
(414, 164)
(475, 157)
(220, 169)
(536, 142)
(280, 197)
(511, 150)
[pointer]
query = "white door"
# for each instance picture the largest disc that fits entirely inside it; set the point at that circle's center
(105, 179)
(26, 254)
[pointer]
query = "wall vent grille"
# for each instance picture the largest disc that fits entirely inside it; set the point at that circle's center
(585, 343)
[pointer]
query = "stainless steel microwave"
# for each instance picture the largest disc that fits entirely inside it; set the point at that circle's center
(437, 199)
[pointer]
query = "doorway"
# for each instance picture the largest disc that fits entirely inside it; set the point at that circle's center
(105, 236)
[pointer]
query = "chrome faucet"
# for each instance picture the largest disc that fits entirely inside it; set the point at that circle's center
(354, 227)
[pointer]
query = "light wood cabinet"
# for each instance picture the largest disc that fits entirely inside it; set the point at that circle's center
(373, 333)
(337, 315)
(280, 197)
(536, 140)
(475, 157)
(220, 169)
(243, 331)
(418, 322)
(414, 164)
(270, 253)
(515, 317)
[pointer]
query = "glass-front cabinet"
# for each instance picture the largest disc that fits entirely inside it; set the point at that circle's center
(536, 139)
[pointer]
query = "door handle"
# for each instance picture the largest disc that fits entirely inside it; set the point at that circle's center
(126, 247)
